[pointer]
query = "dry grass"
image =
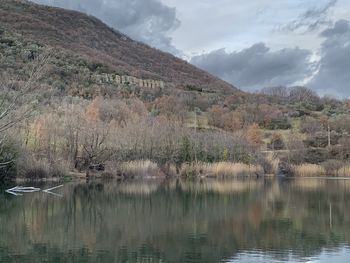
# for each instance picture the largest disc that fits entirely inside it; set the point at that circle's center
(142, 168)
(314, 170)
(171, 170)
(220, 169)
(308, 170)
(33, 169)
(344, 171)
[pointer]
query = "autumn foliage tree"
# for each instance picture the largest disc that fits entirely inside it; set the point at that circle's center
(254, 134)
(223, 118)
(171, 107)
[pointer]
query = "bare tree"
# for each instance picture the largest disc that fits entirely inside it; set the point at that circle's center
(303, 94)
(278, 91)
(95, 146)
(15, 99)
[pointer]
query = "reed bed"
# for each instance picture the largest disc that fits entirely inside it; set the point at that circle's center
(308, 170)
(315, 170)
(142, 168)
(344, 171)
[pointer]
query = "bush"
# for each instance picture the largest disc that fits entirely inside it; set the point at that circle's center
(276, 142)
(316, 156)
(141, 168)
(320, 139)
(332, 166)
(311, 125)
(278, 124)
(194, 88)
(8, 156)
(37, 171)
(33, 169)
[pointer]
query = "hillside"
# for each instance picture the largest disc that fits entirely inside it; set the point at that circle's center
(103, 49)
(104, 99)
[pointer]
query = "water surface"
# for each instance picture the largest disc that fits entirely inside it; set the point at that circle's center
(247, 220)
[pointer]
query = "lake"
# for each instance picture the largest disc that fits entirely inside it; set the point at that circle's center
(241, 220)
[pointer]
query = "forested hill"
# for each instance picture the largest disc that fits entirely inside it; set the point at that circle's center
(101, 48)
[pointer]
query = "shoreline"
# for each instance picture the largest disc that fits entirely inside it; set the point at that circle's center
(136, 178)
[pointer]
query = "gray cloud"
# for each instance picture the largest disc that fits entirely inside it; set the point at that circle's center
(333, 75)
(340, 28)
(149, 21)
(312, 18)
(257, 66)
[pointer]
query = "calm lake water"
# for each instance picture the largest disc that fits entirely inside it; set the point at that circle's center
(302, 220)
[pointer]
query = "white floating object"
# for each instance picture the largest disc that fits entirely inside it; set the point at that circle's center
(12, 193)
(22, 189)
(18, 190)
(49, 191)
(53, 188)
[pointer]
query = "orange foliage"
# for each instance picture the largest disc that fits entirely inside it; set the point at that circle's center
(254, 134)
(93, 110)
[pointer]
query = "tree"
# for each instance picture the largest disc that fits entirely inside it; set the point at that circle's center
(171, 107)
(307, 97)
(215, 116)
(344, 143)
(16, 97)
(95, 145)
(295, 147)
(254, 134)
(232, 121)
(311, 126)
(95, 134)
(278, 91)
(276, 142)
(225, 154)
(185, 154)
(72, 127)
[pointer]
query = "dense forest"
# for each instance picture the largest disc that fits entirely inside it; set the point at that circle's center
(59, 117)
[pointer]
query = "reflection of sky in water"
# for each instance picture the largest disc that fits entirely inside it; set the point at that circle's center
(341, 255)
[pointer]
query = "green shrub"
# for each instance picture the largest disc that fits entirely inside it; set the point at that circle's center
(278, 124)
(8, 157)
(276, 142)
(320, 139)
(194, 88)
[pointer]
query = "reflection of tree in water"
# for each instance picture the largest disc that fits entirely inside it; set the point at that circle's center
(176, 221)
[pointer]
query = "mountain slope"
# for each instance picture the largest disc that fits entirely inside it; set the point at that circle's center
(88, 37)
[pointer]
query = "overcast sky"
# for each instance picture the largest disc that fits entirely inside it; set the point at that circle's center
(249, 43)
